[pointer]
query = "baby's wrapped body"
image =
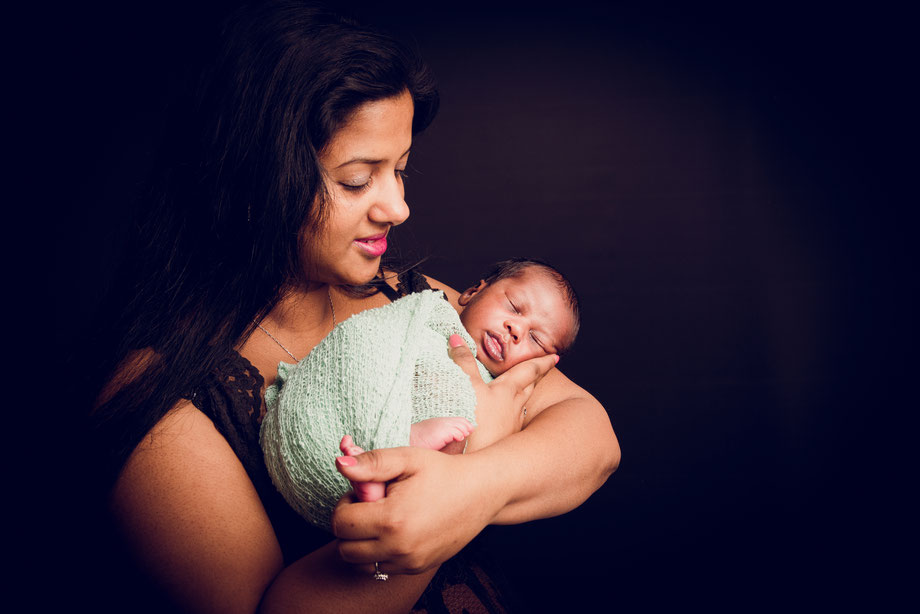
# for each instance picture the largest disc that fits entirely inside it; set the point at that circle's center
(372, 377)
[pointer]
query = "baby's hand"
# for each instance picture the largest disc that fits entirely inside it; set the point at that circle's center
(436, 433)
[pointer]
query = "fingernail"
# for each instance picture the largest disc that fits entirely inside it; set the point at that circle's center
(347, 461)
(557, 359)
(455, 341)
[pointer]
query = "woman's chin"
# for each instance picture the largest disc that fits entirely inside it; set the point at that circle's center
(359, 275)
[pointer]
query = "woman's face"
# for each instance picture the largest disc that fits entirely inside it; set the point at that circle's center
(364, 163)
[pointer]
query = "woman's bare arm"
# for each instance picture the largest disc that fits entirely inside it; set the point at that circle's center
(194, 520)
(566, 451)
(515, 480)
(551, 467)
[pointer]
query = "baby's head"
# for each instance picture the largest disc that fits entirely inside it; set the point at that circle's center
(523, 309)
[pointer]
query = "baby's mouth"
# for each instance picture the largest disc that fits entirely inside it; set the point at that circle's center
(493, 346)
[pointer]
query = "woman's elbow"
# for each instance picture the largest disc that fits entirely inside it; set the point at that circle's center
(612, 458)
(606, 452)
(605, 455)
(608, 444)
(604, 463)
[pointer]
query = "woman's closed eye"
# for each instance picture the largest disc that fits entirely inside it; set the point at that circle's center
(360, 184)
(356, 185)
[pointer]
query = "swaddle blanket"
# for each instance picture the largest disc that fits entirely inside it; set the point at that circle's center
(372, 377)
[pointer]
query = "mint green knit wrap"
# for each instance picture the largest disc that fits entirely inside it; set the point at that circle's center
(372, 377)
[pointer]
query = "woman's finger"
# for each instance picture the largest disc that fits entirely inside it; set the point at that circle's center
(363, 554)
(391, 530)
(361, 551)
(522, 377)
(357, 520)
(380, 465)
(353, 519)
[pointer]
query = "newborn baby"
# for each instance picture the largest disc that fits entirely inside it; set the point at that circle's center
(405, 390)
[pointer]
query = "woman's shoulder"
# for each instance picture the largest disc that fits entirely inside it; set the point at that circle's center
(451, 294)
(411, 280)
(184, 430)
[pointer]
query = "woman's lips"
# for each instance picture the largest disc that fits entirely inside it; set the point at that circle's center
(493, 346)
(373, 246)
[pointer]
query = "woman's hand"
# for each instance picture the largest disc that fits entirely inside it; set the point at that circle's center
(499, 404)
(435, 503)
(432, 509)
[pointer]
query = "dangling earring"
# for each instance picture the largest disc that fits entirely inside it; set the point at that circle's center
(249, 213)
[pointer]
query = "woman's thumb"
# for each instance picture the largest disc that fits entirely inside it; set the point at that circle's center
(460, 353)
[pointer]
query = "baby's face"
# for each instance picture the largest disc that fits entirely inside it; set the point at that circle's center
(515, 319)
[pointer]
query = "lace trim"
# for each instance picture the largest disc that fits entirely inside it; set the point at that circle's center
(241, 379)
(411, 281)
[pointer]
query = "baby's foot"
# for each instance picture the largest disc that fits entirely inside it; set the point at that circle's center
(435, 433)
(365, 491)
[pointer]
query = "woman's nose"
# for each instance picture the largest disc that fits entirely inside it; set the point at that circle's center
(391, 207)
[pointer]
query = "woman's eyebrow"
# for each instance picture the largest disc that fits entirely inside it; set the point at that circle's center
(359, 161)
(370, 161)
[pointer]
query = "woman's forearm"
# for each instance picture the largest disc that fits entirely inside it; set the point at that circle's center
(564, 455)
(322, 582)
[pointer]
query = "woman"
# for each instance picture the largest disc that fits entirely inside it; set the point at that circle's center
(265, 227)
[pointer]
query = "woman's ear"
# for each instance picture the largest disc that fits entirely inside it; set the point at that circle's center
(470, 292)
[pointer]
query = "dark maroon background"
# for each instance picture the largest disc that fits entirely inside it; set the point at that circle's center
(724, 187)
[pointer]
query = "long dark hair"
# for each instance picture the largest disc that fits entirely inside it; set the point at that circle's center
(236, 190)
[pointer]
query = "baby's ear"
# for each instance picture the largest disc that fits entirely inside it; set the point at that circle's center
(470, 292)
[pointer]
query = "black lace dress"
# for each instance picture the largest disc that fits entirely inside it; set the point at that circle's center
(231, 398)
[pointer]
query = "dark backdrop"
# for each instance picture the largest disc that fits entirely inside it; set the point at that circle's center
(721, 185)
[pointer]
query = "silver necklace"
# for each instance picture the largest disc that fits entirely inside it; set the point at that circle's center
(272, 337)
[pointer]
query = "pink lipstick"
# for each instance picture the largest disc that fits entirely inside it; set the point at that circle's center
(373, 246)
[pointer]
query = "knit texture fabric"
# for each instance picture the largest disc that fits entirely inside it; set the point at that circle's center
(372, 377)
